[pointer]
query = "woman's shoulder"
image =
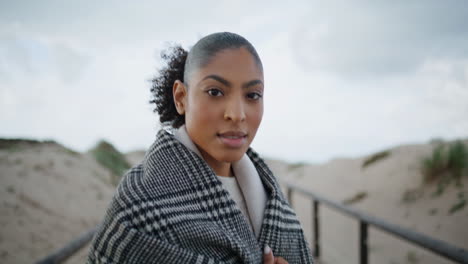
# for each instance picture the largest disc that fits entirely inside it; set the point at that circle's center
(129, 188)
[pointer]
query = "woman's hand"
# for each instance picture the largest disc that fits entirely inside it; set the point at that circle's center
(268, 257)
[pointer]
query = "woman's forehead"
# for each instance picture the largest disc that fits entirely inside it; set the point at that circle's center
(230, 64)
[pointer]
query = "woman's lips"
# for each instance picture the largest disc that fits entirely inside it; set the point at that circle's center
(233, 139)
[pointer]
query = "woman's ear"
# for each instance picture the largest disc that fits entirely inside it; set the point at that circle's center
(179, 93)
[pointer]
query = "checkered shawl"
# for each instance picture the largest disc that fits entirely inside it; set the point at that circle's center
(172, 208)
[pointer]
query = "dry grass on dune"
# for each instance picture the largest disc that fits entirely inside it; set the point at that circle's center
(49, 195)
(389, 185)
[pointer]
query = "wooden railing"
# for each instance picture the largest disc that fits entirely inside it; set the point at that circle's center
(68, 250)
(439, 247)
(442, 248)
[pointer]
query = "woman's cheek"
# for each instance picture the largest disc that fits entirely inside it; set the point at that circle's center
(257, 114)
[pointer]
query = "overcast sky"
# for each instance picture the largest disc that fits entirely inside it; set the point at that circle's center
(343, 78)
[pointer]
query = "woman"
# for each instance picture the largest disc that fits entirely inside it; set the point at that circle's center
(201, 195)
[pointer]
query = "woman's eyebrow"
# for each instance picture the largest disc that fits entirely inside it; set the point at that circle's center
(228, 83)
(218, 78)
(251, 83)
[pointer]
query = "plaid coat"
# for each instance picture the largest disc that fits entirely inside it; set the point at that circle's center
(172, 208)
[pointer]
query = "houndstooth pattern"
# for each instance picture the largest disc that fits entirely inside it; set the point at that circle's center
(173, 209)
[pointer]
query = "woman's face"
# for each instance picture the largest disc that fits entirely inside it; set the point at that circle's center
(223, 105)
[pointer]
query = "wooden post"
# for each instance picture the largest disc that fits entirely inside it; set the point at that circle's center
(315, 218)
(289, 194)
(363, 242)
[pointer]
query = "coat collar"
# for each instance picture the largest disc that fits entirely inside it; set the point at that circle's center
(205, 183)
(247, 177)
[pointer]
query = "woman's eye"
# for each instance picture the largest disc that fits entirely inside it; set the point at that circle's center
(214, 92)
(254, 96)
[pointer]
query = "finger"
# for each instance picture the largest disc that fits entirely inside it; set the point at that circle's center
(280, 260)
(268, 257)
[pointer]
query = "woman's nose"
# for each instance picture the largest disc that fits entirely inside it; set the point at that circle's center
(234, 111)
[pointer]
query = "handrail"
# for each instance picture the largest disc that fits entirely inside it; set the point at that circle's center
(68, 250)
(437, 246)
(440, 247)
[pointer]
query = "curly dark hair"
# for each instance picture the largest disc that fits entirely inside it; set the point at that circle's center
(179, 64)
(161, 88)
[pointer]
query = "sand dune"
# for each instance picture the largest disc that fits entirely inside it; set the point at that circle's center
(49, 195)
(391, 189)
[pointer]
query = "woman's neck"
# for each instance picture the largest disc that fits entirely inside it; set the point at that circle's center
(224, 170)
(220, 168)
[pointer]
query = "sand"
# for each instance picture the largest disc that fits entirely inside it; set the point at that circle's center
(394, 191)
(50, 195)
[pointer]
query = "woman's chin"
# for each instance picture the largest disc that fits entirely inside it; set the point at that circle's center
(231, 157)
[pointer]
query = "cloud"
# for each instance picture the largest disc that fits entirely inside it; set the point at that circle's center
(316, 115)
(342, 78)
(23, 54)
(378, 37)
